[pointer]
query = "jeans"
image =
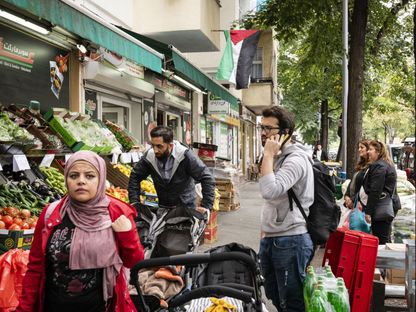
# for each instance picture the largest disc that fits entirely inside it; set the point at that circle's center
(381, 229)
(283, 262)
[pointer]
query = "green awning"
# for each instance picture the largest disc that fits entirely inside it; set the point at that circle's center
(69, 18)
(186, 70)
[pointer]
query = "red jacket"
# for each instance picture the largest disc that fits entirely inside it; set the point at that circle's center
(129, 249)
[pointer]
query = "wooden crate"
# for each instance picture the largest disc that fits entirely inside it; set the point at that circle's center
(224, 187)
(115, 176)
(226, 194)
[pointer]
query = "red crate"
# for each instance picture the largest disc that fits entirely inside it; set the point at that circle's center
(341, 252)
(361, 291)
(352, 255)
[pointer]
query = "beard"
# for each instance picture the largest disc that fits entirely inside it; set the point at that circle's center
(164, 156)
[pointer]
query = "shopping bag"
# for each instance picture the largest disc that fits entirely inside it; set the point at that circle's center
(344, 221)
(13, 267)
(357, 218)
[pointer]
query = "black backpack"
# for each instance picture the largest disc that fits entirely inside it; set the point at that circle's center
(324, 213)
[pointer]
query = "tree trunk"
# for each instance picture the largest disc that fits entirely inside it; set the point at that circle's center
(355, 82)
(324, 125)
(414, 45)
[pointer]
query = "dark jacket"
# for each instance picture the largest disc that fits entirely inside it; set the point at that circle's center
(180, 189)
(324, 155)
(380, 178)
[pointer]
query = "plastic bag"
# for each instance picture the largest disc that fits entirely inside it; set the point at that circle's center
(13, 267)
(357, 219)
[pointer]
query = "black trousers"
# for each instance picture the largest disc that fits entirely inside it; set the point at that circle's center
(381, 229)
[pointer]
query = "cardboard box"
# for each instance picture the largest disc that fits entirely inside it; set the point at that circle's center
(396, 276)
(210, 235)
(15, 239)
(377, 275)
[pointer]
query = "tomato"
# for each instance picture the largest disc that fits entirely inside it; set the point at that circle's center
(14, 227)
(18, 221)
(2, 225)
(13, 212)
(33, 225)
(1, 211)
(8, 220)
(25, 213)
(25, 226)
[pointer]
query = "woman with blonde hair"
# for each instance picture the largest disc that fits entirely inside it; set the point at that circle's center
(358, 177)
(379, 184)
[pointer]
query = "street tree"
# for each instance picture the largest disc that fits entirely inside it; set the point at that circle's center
(310, 36)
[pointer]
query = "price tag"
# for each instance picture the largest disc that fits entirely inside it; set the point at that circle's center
(67, 156)
(114, 160)
(20, 163)
(135, 157)
(47, 160)
(125, 158)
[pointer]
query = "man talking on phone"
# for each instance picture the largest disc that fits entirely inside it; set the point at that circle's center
(286, 247)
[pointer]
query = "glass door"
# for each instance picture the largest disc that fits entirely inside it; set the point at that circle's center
(116, 111)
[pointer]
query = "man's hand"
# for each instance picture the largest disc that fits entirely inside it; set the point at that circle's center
(201, 209)
(122, 224)
(368, 219)
(273, 145)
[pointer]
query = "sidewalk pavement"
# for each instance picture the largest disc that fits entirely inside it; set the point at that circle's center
(243, 225)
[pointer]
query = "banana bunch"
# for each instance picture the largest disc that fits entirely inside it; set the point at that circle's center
(147, 187)
(124, 169)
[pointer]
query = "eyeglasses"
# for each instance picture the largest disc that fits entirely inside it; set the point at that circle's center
(267, 129)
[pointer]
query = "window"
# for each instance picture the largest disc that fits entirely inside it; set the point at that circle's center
(257, 70)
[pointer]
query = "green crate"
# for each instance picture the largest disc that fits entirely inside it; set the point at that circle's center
(67, 137)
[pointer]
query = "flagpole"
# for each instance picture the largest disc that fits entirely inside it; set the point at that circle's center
(344, 82)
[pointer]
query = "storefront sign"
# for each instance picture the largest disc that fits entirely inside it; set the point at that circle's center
(218, 107)
(121, 63)
(226, 119)
(32, 70)
(166, 85)
(169, 99)
(223, 142)
(248, 115)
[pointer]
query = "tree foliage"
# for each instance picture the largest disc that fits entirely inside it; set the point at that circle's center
(310, 57)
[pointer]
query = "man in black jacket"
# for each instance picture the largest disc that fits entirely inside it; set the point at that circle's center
(174, 169)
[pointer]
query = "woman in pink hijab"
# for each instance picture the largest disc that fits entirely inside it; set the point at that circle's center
(81, 245)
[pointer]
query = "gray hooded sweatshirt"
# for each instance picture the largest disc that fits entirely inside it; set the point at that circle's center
(294, 172)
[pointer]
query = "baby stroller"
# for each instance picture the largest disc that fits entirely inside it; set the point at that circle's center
(169, 230)
(230, 272)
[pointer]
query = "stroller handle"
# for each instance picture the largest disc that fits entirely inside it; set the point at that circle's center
(209, 291)
(192, 259)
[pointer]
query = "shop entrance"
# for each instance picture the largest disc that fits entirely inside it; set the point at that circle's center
(170, 120)
(116, 111)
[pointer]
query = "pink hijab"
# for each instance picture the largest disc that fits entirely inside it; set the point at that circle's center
(93, 243)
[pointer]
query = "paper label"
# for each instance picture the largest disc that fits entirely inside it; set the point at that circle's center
(47, 160)
(125, 158)
(135, 157)
(114, 160)
(1, 168)
(20, 163)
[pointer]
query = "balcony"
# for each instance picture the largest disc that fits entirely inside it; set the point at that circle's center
(259, 95)
(186, 24)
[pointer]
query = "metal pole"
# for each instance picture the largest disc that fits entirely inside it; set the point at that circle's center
(344, 82)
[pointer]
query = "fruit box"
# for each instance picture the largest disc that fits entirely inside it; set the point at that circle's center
(15, 239)
(210, 235)
(212, 222)
(396, 276)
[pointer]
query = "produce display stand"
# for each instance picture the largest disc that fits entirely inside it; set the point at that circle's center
(396, 259)
(115, 176)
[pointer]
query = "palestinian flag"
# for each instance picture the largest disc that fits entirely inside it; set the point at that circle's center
(237, 60)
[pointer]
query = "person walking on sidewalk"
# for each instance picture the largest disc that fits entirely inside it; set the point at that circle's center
(174, 169)
(286, 247)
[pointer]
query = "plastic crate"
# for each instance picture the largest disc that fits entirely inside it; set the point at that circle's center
(361, 291)
(341, 253)
(352, 255)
